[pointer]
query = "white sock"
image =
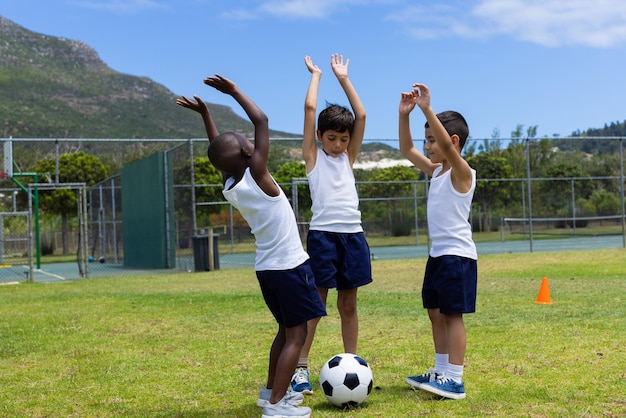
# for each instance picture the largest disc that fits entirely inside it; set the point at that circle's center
(455, 372)
(441, 363)
(303, 362)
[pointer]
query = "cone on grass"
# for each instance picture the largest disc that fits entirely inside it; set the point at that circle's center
(544, 293)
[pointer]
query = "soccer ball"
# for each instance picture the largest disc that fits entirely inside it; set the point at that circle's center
(346, 380)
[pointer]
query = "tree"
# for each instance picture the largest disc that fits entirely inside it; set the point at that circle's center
(393, 185)
(285, 175)
(77, 167)
(208, 188)
(515, 153)
(555, 195)
(603, 166)
(493, 146)
(489, 165)
(207, 179)
(605, 203)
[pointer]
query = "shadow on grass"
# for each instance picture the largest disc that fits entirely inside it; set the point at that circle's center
(380, 395)
(234, 412)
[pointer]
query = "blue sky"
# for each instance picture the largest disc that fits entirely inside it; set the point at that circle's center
(557, 64)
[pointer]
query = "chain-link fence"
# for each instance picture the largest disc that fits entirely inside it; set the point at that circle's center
(15, 245)
(393, 213)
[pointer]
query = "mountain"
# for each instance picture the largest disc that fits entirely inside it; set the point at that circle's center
(60, 88)
(588, 139)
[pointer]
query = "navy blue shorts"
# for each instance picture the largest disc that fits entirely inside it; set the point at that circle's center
(339, 261)
(291, 295)
(450, 284)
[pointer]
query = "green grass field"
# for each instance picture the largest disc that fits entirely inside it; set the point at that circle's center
(196, 345)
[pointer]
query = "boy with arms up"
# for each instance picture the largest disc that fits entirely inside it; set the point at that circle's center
(450, 279)
(340, 256)
(281, 264)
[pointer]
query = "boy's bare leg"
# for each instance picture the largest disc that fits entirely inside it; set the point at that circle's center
(346, 305)
(275, 350)
(439, 330)
(312, 327)
(457, 338)
(283, 360)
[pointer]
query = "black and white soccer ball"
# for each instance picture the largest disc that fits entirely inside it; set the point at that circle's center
(346, 380)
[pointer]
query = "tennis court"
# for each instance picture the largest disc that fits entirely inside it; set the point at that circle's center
(59, 272)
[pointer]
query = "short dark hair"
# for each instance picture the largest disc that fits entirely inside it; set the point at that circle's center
(455, 124)
(335, 118)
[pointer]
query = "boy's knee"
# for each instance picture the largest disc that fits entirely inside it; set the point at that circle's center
(347, 309)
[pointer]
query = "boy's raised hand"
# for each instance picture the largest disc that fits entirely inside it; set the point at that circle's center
(221, 83)
(198, 105)
(422, 95)
(310, 66)
(339, 68)
(407, 103)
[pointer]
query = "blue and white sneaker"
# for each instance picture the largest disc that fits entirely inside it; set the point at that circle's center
(300, 381)
(284, 409)
(417, 381)
(445, 387)
(294, 398)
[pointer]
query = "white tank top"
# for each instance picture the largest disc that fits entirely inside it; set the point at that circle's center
(271, 220)
(448, 217)
(333, 192)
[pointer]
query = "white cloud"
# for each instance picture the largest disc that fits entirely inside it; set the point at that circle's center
(436, 20)
(121, 6)
(600, 23)
(301, 8)
(296, 9)
(552, 23)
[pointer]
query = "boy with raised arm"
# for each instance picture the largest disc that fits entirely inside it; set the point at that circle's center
(281, 264)
(340, 256)
(450, 279)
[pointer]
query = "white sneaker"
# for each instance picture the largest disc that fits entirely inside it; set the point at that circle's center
(291, 397)
(284, 409)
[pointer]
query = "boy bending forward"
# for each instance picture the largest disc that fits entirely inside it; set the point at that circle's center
(281, 264)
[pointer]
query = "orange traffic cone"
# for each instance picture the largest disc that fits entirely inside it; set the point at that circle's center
(544, 293)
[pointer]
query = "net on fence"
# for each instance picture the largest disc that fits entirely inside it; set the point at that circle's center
(564, 227)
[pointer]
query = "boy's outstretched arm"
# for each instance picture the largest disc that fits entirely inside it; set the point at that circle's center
(358, 131)
(309, 146)
(461, 174)
(407, 104)
(260, 156)
(199, 106)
